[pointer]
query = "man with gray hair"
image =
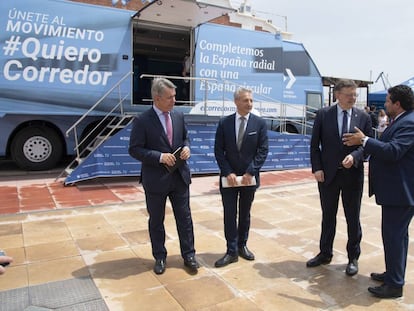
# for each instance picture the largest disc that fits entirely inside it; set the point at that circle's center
(240, 148)
(159, 139)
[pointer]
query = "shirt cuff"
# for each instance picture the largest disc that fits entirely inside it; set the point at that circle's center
(364, 141)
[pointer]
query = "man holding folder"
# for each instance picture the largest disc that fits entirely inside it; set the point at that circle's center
(241, 148)
(159, 139)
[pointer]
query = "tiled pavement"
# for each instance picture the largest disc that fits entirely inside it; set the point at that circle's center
(86, 247)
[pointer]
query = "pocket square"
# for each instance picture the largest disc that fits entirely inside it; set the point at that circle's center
(252, 133)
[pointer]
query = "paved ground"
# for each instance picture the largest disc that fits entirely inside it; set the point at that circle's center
(86, 247)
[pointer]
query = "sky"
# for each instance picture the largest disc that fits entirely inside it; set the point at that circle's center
(356, 39)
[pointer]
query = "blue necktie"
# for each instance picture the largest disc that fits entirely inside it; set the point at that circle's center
(344, 123)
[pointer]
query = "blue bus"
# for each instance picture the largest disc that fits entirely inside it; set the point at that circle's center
(60, 68)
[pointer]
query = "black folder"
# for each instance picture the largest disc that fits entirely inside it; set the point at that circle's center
(178, 161)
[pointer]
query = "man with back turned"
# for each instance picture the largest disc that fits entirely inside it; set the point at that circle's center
(391, 180)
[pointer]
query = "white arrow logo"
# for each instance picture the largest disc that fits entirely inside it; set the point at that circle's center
(292, 78)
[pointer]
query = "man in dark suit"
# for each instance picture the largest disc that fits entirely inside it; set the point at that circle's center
(339, 170)
(391, 179)
(240, 148)
(155, 135)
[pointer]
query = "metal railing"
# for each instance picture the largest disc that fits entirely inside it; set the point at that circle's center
(115, 116)
(113, 119)
(281, 121)
(189, 102)
(110, 113)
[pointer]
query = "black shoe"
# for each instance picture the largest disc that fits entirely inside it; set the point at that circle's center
(191, 263)
(224, 261)
(159, 267)
(379, 277)
(245, 253)
(386, 291)
(352, 267)
(318, 260)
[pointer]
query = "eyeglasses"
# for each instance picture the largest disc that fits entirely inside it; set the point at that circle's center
(349, 94)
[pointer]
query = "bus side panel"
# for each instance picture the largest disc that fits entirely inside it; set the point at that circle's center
(52, 54)
(57, 63)
(277, 71)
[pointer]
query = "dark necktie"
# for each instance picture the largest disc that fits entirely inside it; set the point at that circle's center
(241, 133)
(344, 123)
(168, 126)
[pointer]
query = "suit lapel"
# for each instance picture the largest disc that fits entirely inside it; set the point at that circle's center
(354, 118)
(333, 115)
(157, 124)
(173, 124)
(232, 128)
(390, 128)
(252, 124)
(353, 122)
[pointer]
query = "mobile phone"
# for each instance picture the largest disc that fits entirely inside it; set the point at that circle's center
(4, 264)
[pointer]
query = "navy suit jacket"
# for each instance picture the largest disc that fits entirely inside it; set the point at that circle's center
(391, 164)
(148, 140)
(326, 148)
(253, 151)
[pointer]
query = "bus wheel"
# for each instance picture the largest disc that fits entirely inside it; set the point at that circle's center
(36, 148)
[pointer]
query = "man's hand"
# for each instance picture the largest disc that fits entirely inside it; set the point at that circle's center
(348, 161)
(353, 139)
(185, 153)
(246, 179)
(319, 176)
(231, 179)
(168, 158)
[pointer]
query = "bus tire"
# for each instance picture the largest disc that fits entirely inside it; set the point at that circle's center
(36, 148)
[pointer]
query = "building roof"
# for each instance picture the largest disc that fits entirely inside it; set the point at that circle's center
(331, 81)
